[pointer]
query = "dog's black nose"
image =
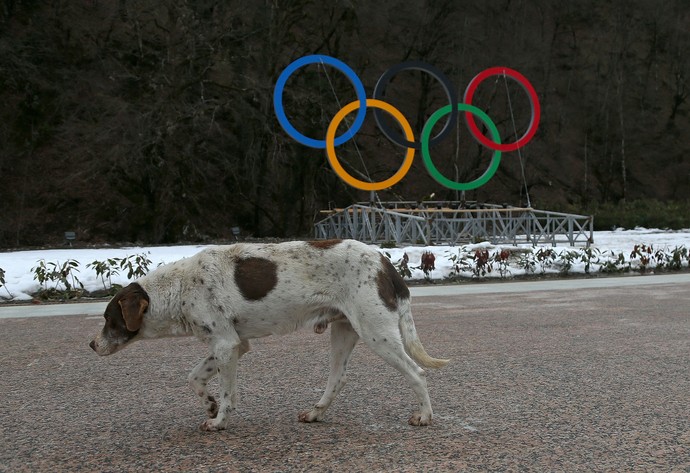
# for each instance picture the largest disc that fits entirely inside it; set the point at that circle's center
(93, 345)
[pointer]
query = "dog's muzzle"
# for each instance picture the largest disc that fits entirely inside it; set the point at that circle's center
(102, 347)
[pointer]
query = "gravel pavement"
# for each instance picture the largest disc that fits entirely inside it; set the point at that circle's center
(593, 379)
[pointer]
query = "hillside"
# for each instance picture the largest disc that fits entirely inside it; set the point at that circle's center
(153, 121)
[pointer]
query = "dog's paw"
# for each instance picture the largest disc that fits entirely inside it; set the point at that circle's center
(417, 419)
(211, 407)
(212, 425)
(309, 416)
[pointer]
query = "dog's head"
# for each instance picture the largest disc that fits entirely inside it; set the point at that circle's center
(123, 318)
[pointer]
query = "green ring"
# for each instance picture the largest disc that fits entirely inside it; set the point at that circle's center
(435, 173)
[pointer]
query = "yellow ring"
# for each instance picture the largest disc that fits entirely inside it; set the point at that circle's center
(333, 159)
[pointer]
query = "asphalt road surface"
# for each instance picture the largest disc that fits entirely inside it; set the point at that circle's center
(559, 376)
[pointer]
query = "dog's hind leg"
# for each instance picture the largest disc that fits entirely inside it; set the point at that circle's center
(202, 374)
(343, 341)
(385, 340)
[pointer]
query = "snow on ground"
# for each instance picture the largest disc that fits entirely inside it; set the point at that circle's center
(607, 247)
(20, 280)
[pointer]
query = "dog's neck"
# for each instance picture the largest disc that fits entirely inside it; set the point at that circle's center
(163, 317)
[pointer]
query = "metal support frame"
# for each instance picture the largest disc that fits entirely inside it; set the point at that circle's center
(453, 223)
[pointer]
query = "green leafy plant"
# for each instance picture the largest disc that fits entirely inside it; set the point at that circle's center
(402, 266)
(588, 258)
(42, 274)
(482, 262)
(105, 270)
(566, 260)
(545, 258)
(3, 282)
(660, 259)
(459, 263)
(528, 262)
(56, 274)
(675, 261)
(616, 263)
(135, 265)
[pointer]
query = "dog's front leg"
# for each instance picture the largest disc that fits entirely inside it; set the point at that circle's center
(198, 380)
(227, 352)
(202, 374)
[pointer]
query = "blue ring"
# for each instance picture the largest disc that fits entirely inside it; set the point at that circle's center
(342, 67)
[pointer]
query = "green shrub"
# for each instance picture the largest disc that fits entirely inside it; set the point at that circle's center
(51, 275)
(648, 213)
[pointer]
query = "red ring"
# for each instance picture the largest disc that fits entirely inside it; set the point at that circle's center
(533, 99)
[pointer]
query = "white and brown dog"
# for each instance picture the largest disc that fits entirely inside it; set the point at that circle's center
(228, 295)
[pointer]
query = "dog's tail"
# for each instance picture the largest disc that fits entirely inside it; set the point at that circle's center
(413, 344)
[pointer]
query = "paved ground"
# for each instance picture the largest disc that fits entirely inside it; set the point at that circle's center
(559, 380)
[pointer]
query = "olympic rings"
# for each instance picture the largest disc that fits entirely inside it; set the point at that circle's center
(407, 140)
(280, 111)
(435, 173)
(436, 74)
(333, 159)
(533, 100)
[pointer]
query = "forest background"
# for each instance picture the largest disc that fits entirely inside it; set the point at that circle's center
(152, 121)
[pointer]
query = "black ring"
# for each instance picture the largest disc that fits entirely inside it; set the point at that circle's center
(397, 138)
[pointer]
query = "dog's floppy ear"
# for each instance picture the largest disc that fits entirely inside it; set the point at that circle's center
(133, 307)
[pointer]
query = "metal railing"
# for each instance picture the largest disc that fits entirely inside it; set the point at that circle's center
(453, 223)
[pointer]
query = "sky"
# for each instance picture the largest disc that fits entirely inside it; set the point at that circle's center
(21, 284)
